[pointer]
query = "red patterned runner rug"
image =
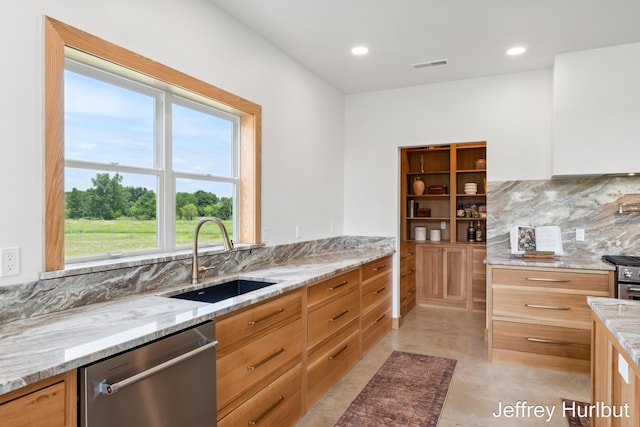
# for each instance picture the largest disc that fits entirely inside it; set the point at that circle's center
(573, 410)
(408, 390)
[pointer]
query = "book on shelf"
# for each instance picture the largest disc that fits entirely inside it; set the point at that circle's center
(526, 239)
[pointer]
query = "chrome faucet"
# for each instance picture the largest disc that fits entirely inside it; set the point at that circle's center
(228, 245)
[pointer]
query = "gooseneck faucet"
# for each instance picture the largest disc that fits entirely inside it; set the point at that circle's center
(228, 245)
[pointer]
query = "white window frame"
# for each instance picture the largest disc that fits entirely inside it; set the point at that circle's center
(162, 168)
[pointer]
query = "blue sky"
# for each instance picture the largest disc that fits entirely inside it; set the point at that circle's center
(109, 124)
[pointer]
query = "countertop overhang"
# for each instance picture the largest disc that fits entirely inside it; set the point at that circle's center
(622, 319)
(586, 263)
(43, 346)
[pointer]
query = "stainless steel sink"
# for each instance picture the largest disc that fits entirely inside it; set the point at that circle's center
(223, 291)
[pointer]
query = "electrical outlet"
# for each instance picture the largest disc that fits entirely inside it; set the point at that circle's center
(298, 231)
(579, 234)
(10, 259)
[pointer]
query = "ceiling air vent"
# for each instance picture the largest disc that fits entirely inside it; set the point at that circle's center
(436, 63)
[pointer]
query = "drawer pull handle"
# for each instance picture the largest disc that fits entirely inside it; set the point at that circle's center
(542, 279)
(267, 317)
(265, 360)
(547, 307)
(382, 267)
(267, 412)
(380, 318)
(543, 341)
(412, 291)
(333, 319)
(339, 286)
(344, 347)
(380, 290)
(413, 270)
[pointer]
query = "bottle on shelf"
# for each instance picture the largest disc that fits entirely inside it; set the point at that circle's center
(479, 233)
(471, 232)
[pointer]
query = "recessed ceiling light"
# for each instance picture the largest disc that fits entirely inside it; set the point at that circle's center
(518, 50)
(360, 50)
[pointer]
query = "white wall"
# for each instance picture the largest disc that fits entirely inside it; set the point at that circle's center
(511, 112)
(303, 118)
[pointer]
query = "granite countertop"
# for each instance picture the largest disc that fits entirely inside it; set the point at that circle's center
(557, 262)
(622, 319)
(42, 346)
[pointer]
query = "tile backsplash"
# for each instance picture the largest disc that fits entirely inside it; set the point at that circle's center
(590, 203)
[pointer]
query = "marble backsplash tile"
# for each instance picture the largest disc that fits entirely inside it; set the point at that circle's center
(570, 203)
(56, 292)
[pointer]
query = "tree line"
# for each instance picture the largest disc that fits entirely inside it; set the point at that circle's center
(108, 199)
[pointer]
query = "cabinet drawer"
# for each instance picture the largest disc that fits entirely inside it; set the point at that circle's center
(375, 290)
(539, 339)
(330, 318)
(331, 361)
(376, 267)
(278, 404)
(542, 304)
(375, 325)
(232, 331)
(42, 407)
(327, 289)
(553, 278)
(252, 366)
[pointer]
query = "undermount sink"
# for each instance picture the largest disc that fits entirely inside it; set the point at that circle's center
(224, 290)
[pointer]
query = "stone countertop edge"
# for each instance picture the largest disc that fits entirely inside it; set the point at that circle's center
(557, 262)
(622, 319)
(43, 346)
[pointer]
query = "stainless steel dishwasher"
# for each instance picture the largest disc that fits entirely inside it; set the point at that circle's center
(170, 382)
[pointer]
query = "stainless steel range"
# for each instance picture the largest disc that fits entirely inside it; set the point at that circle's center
(627, 275)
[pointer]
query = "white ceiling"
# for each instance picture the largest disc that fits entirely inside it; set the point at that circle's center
(472, 35)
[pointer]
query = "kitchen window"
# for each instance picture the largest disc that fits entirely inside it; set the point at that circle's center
(136, 152)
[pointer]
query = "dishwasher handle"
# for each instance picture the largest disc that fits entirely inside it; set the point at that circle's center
(104, 388)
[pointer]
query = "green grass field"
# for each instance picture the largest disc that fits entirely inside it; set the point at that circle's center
(85, 236)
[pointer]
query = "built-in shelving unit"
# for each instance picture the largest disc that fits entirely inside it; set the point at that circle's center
(450, 166)
(448, 272)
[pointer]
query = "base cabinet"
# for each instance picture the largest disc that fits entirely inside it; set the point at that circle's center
(407, 278)
(259, 354)
(444, 275)
(376, 290)
(540, 317)
(50, 402)
(609, 388)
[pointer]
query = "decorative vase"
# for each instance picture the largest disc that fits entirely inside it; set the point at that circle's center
(418, 186)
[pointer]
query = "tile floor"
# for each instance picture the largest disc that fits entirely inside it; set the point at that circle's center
(478, 386)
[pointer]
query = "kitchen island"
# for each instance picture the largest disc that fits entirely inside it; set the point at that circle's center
(615, 369)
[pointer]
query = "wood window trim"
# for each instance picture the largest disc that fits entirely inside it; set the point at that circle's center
(59, 35)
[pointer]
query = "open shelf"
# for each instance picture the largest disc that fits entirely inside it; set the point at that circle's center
(453, 166)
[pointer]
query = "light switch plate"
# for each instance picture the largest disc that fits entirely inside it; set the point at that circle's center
(579, 234)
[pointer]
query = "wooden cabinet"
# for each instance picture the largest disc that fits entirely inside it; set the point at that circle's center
(540, 317)
(442, 275)
(449, 272)
(376, 290)
(445, 171)
(50, 402)
(258, 347)
(608, 385)
(333, 331)
(407, 278)
(478, 279)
